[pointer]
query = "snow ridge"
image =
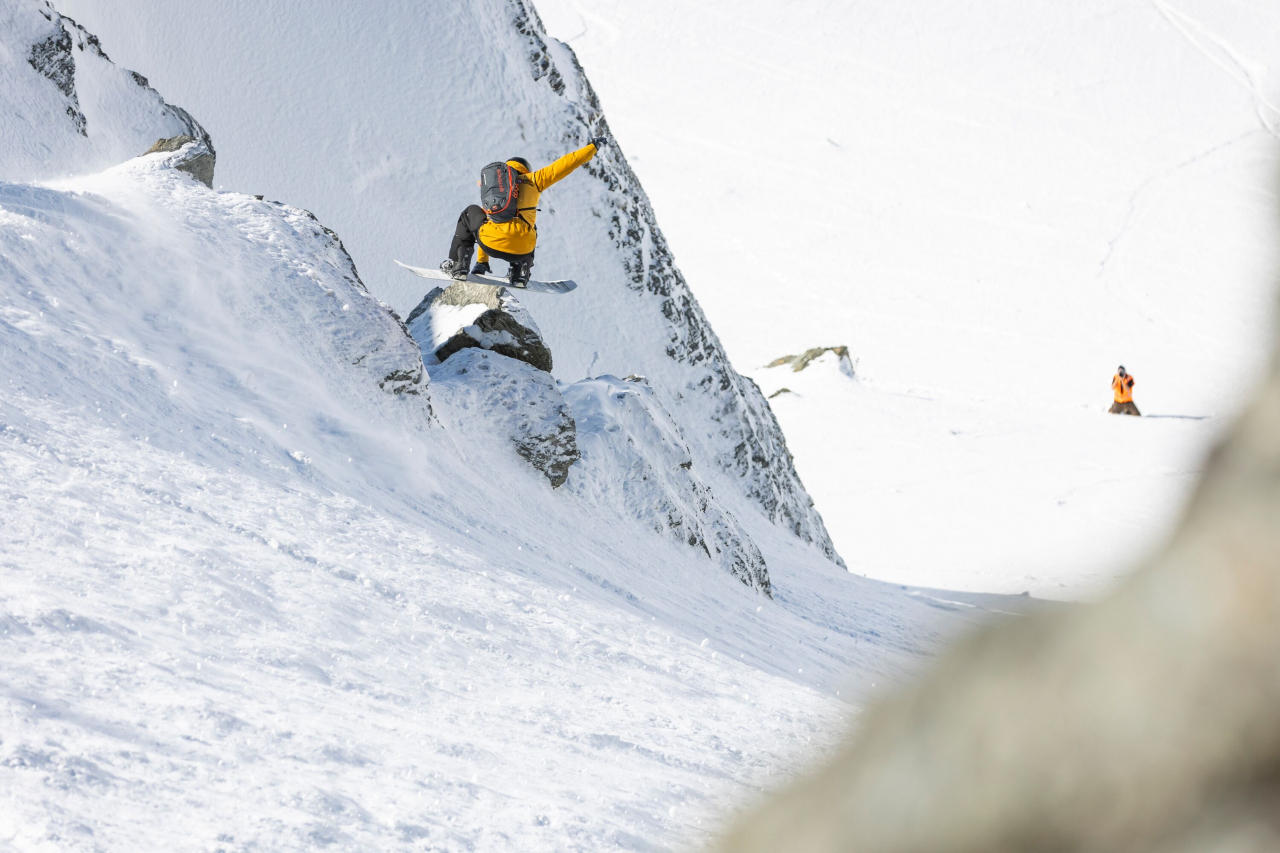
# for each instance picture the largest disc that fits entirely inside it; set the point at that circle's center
(748, 444)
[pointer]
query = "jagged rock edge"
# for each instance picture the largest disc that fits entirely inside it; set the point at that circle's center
(781, 497)
(88, 41)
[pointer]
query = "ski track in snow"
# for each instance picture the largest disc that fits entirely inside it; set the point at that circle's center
(1242, 70)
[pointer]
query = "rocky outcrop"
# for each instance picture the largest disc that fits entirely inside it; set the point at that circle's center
(496, 321)
(635, 459)
(111, 113)
(727, 418)
(494, 373)
(801, 361)
(501, 396)
(52, 58)
(198, 161)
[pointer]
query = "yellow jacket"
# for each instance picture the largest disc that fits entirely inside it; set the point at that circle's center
(519, 236)
(1123, 386)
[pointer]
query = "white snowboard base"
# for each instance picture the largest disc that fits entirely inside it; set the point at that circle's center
(493, 281)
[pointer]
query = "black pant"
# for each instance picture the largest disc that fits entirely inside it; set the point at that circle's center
(467, 234)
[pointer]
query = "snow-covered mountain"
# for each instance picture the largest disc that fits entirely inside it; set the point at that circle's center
(277, 576)
(79, 112)
(383, 139)
(992, 205)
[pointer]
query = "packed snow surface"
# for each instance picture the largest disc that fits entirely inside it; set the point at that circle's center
(993, 205)
(258, 596)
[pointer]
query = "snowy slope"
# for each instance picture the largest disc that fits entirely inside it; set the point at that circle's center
(1036, 192)
(257, 594)
(378, 122)
(257, 597)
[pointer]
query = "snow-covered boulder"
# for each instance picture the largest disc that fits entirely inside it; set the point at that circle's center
(486, 393)
(67, 107)
(465, 315)
(635, 460)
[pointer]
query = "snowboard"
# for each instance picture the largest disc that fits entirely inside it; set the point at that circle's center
(493, 281)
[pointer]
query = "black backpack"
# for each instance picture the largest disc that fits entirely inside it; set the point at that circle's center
(499, 192)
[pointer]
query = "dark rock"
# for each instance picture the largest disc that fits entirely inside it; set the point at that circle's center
(503, 325)
(53, 58)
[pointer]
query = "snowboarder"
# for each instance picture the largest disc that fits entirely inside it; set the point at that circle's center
(506, 226)
(1122, 383)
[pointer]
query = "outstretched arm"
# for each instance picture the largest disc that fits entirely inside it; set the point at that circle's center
(548, 175)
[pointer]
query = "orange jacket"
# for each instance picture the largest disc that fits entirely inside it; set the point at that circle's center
(1123, 386)
(519, 236)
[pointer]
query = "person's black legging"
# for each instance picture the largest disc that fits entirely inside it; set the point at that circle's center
(467, 234)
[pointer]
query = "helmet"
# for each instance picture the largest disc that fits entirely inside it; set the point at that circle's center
(520, 160)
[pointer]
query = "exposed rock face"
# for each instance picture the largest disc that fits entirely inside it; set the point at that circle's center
(499, 330)
(635, 459)
(510, 398)
(496, 321)
(801, 361)
(115, 114)
(745, 441)
(198, 162)
(1146, 722)
(111, 113)
(52, 58)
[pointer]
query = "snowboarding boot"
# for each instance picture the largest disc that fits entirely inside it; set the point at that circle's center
(481, 268)
(456, 270)
(518, 275)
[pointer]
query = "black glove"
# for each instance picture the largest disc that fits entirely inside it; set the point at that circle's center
(599, 142)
